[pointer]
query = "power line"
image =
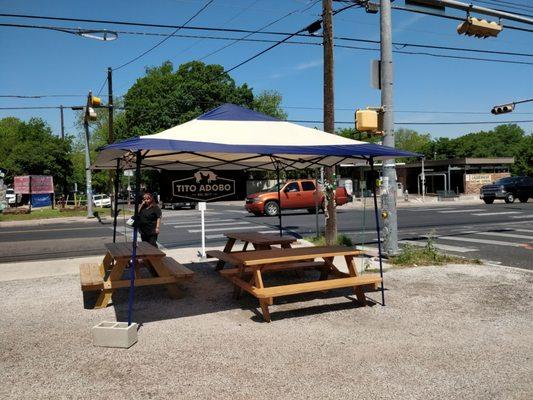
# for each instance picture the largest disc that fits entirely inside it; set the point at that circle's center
(506, 4)
(286, 38)
(308, 121)
(165, 39)
(361, 40)
(252, 33)
(41, 96)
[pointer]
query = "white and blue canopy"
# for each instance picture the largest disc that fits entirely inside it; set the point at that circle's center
(231, 137)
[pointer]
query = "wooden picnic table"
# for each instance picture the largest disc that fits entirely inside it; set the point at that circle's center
(259, 241)
(107, 276)
(248, 275)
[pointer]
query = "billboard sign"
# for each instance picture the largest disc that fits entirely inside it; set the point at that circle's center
(204, 185)
(35, 184)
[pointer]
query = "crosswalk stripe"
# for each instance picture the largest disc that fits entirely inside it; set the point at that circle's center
(212, 224)
(416, 209)
(461, 211)
(474, 240)
(197, 221)
(219, 229)
(221, 236)
(497, 213)
(522, 216)
(509, 235)
(440, 246)
(522, 230)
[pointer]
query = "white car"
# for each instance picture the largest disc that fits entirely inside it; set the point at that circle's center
(11, 197)
(101, 200)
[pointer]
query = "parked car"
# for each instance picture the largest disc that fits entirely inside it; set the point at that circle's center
(508, 189)
(179, 204)
(296, 194)
(11, 197)
(101, 200)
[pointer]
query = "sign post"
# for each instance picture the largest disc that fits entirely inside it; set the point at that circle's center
(202, 207)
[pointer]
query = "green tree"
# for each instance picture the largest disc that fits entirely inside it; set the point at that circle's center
(31, 148)
(164, 98)
(269, 102)
(523, 154)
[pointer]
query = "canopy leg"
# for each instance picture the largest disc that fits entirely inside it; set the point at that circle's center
(279, 200)
(138, 158)
(373, 179)
(115, 206)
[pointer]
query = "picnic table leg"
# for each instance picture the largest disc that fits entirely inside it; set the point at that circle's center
(359, 292)
(106, 265)
(227, 249)
(161, 270)
(264, 303)
(324, 271)
(115, 275)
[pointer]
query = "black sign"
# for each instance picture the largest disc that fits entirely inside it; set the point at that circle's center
(204, 185)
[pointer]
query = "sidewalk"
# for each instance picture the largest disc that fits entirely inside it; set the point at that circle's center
(454, 332)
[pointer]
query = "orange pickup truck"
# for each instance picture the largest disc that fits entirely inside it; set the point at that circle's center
(297, 194)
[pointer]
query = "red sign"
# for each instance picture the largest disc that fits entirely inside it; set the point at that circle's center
(35, 184)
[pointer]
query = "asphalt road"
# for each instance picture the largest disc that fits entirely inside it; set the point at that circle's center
(500, 233)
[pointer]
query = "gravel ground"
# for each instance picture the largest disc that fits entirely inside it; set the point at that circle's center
(455, 332)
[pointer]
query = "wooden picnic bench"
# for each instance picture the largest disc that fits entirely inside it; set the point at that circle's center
(255, 263)
(259, 241)
(107, 276)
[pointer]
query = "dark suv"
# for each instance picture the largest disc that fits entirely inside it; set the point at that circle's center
(508, 189)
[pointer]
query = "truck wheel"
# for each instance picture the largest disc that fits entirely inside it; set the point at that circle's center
(312, 210)
(174, 207)
(522, 199)
(509, 198)
(271, 208)
(488, 201)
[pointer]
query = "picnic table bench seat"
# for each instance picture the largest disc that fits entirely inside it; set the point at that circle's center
(90, 277)
(279, 267)
(176, 269)
(315, 286)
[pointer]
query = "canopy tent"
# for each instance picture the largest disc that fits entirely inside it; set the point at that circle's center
(231, 137)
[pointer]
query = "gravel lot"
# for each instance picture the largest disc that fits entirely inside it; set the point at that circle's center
(455, 332)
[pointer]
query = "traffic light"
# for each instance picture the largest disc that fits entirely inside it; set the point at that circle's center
(479, 28)
(369, 120)
(92, 101)
(502, 109)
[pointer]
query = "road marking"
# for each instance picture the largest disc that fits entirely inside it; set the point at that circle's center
(197, 221)
(498, 213)
(522, 216)
(426, 209)
(474, 240)
(461, 211)
(440, 246)
(522, 230)
(212, 224)
(219, 229)
(53, 230)
(509, 235)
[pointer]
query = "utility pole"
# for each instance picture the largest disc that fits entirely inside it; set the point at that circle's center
(388, 194)
(113, 175)
(329, 119)
(62, 122)
(88, 175)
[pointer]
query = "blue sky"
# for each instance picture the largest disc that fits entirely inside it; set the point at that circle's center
(37, 62)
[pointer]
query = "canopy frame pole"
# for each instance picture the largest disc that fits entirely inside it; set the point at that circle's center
(373, 181)
(276, 165)
(115, 205)
(135, 231)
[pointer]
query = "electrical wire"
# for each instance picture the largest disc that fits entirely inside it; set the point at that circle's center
(40, 96)
(320, 121)
(337, 38)
(252, 33)
(165, 39)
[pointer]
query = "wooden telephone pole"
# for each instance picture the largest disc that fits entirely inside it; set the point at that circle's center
(329, 119)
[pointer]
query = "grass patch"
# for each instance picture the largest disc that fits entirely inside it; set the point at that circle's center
(414, 256)
(342, 240)
(47, 213)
